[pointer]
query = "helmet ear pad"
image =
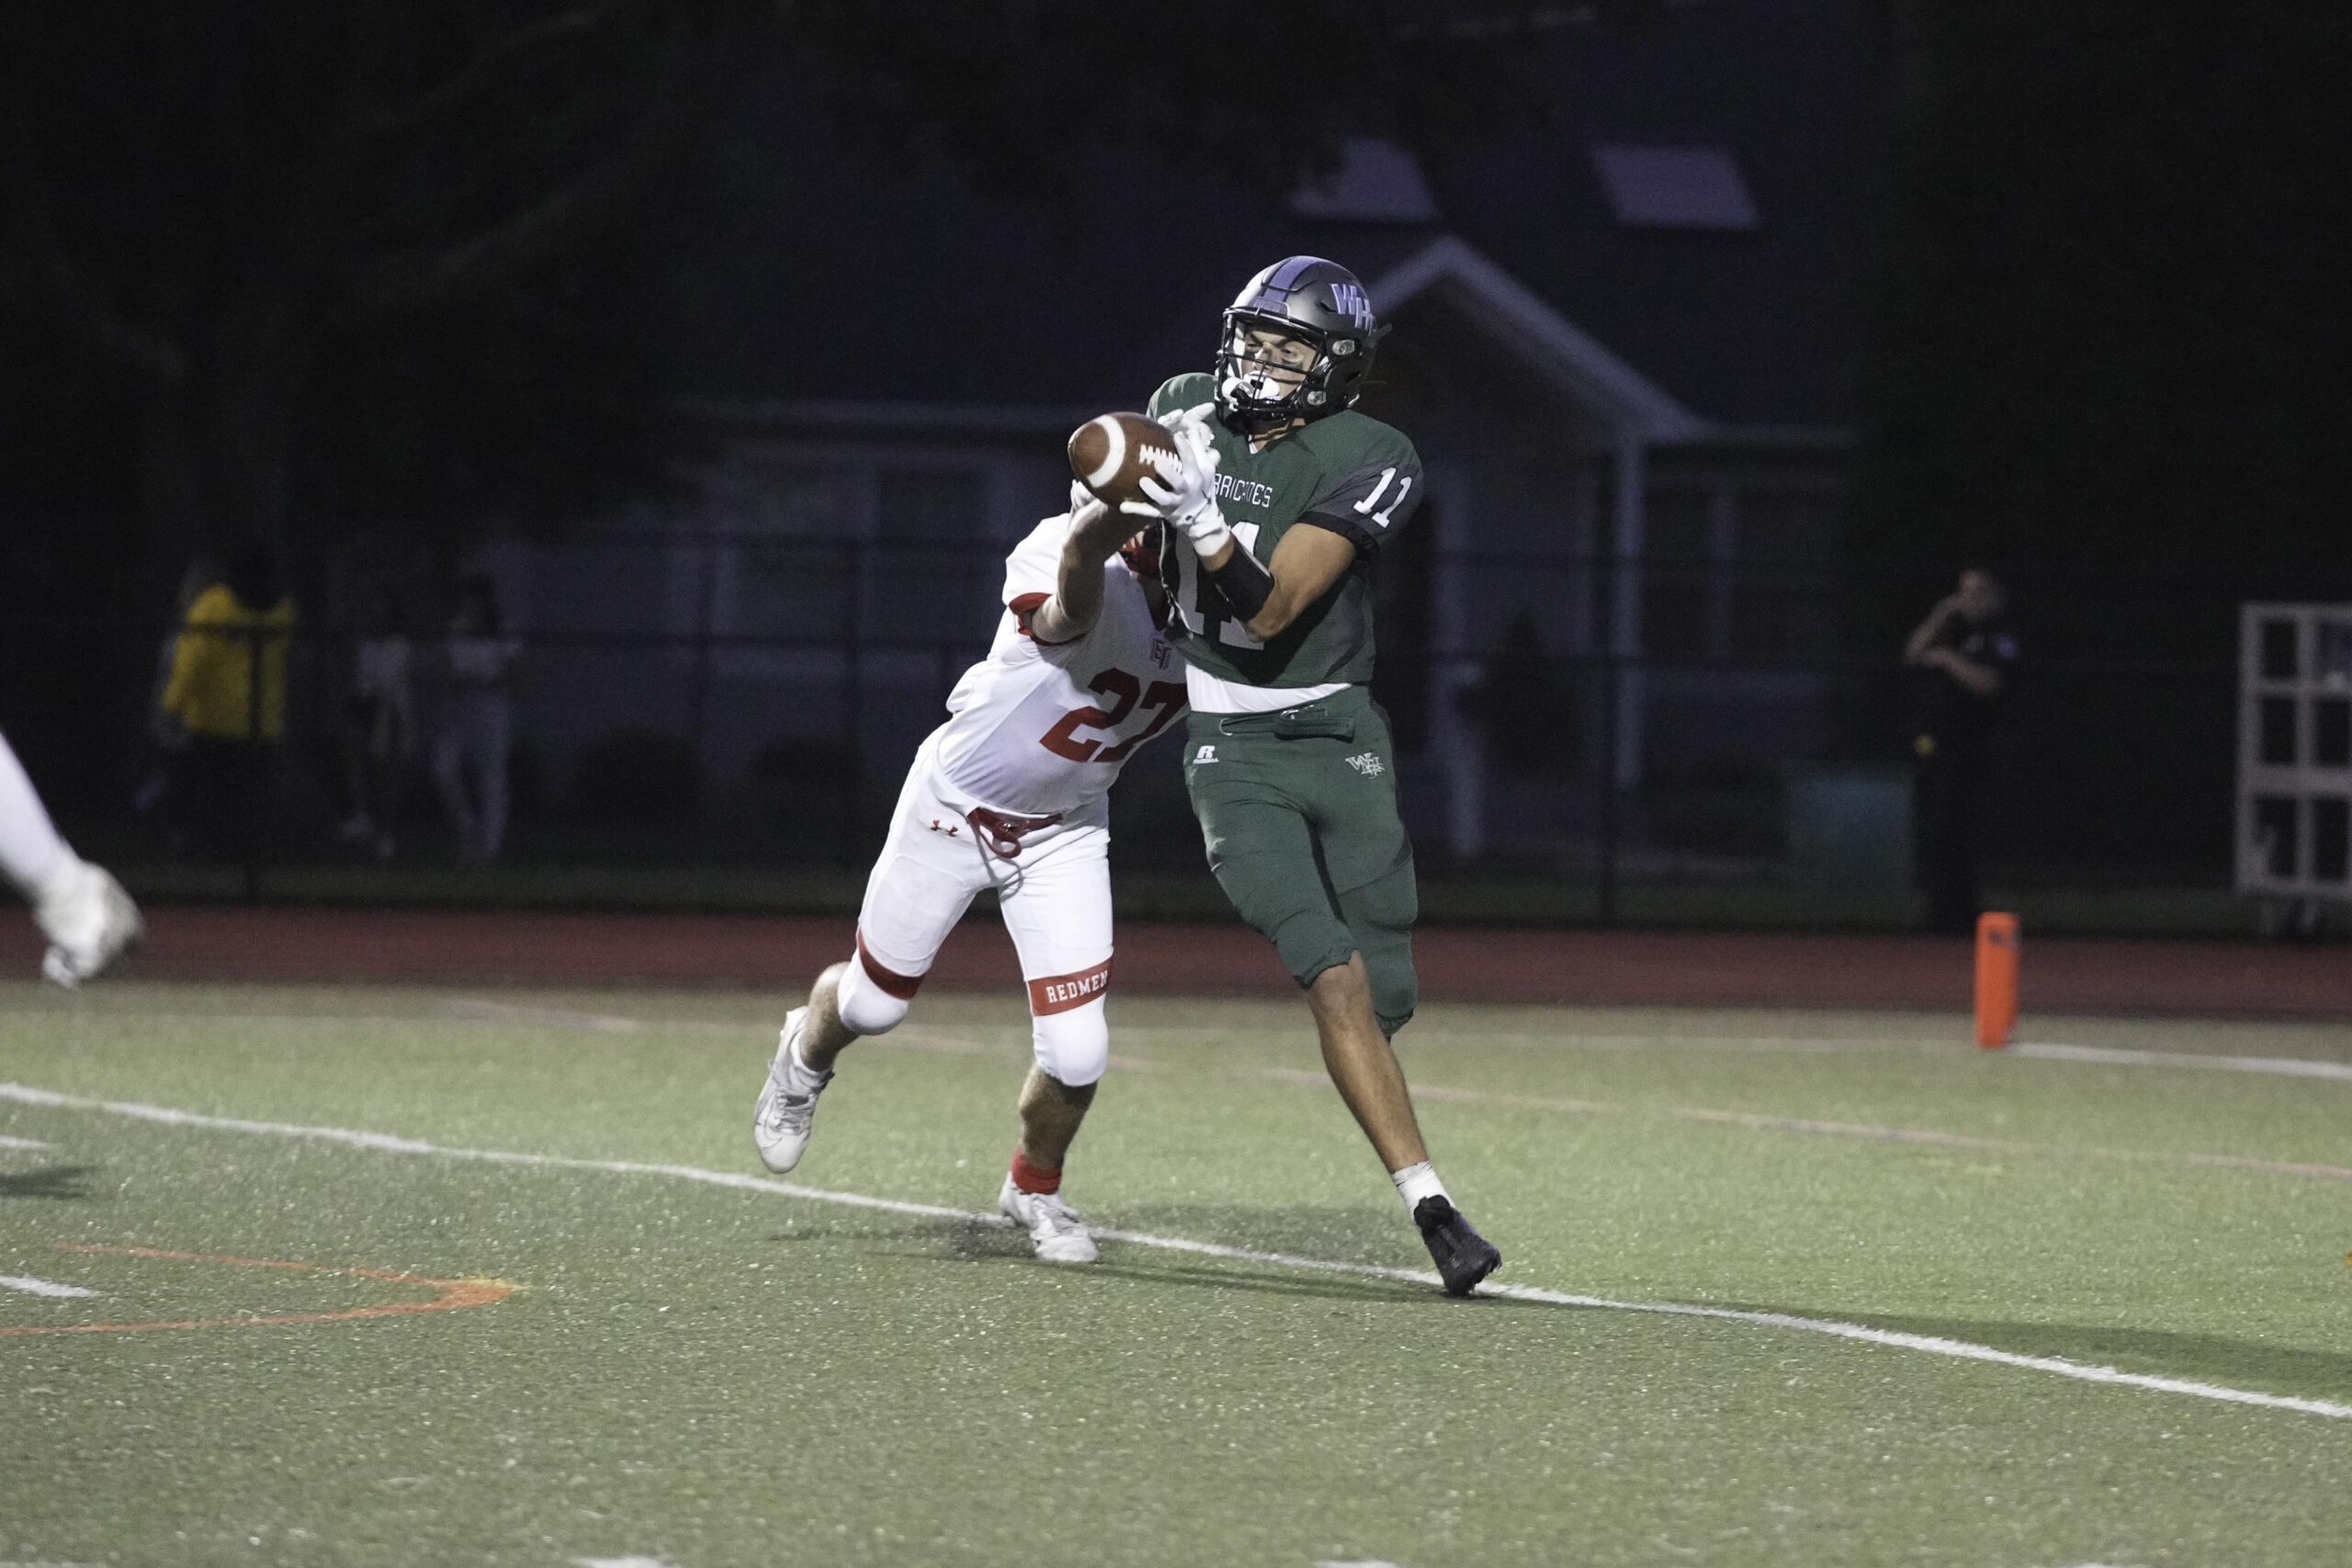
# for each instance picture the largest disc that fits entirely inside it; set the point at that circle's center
(1348, 358)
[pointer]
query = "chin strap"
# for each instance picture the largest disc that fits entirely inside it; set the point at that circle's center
(1254, 419)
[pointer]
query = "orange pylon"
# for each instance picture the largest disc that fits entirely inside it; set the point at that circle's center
(1996, 978)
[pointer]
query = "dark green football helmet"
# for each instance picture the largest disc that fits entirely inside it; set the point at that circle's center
(1307, 297)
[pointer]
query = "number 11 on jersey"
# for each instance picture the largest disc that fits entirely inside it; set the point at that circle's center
(1203, 614)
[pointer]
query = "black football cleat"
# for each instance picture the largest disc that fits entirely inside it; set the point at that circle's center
(1463, 1256)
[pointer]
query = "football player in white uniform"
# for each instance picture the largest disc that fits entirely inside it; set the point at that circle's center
(83, 910)
(1009, 793)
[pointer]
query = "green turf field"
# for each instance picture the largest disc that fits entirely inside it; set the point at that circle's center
(1921, 1255)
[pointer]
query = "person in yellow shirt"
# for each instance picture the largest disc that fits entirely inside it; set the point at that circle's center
(227, 698)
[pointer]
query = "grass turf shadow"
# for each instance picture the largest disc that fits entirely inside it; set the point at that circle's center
(1280, 1281)
(1306, 1233)
(1354, 1235)
(1373, 1235)
(1348, 1236)
(913, 1229)
(986, 1245)
(71, 1182)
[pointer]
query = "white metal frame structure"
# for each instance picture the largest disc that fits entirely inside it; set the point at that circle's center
(2294, 805)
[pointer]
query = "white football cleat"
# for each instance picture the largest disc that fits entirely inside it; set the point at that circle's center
(787, 1106)
(1053, 1227)
(89, 920)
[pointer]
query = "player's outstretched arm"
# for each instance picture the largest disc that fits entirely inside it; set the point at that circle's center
(1263, 598)
(1306, 564)
(1096, 532)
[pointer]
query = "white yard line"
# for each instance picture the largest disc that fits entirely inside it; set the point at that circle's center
(386, 1143)
(8, 1142)
(477, 1010)
(483, 1010)
(33, 1287)
(1451, 1036)
(2118, 1057)
(1454, 1036)
(1866, 1130)
(489, 1012)
(1804, 1045)
(921, 1038)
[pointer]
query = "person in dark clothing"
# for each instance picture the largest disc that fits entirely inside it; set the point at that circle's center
(1966, 657)
(1526, 713)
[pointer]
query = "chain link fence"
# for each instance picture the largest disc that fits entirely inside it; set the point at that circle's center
(1739, 755)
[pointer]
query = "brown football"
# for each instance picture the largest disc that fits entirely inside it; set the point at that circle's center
(1111, 454)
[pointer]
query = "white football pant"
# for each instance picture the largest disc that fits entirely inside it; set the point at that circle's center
(1054, 895)
(30, 851)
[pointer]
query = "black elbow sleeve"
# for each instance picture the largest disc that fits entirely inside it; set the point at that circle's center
(1243, 583)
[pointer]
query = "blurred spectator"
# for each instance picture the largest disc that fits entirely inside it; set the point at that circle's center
(161, 792)
(469, 755)
(1525, 713)
(379, 726)
(226, 698)
(1967, 656)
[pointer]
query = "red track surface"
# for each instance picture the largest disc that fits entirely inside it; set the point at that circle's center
(1457, 963)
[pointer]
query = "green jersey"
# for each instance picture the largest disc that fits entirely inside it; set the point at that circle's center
(1345, 472)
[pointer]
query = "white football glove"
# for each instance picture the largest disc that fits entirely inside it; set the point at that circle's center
(1084, 506)
(1185, 492)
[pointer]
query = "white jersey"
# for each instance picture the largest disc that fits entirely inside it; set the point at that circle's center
(1040, 729)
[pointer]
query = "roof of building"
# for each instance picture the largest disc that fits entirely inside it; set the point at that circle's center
(834, 270)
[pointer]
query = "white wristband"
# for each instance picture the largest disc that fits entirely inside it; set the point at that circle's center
(1207, 531)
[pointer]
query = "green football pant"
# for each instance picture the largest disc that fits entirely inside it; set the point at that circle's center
(1299, 812)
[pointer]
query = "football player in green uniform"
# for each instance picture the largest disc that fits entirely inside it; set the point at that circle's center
(1279, 496)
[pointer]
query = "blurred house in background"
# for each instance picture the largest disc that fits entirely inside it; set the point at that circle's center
(1626, 344)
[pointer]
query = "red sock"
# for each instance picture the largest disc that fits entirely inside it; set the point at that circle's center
(1034, 1179)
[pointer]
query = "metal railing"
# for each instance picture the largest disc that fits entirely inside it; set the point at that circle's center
(785, 751)
(1739, 751)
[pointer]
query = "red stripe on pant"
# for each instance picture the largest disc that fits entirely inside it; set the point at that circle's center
(1060, 993)
(892, 983)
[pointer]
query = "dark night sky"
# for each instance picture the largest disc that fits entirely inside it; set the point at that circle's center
(2075, 274)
